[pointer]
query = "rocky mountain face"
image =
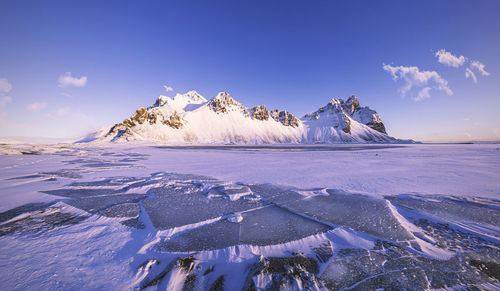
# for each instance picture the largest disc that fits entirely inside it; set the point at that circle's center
(284, 117)
(346, 110)
(190, 118)
(364, 115)
(223, 102)
(345, 121)
(143, 115)
(332, 111)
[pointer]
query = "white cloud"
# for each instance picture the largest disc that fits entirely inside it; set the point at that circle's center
(467, 119)
(67, 80)
(80, 115)
(470, 74)
(4, 100)
(36, 106)
(66, 94)
(5, 86)
(63, 111)
(477, 66)
(168, 88)
(423, 94)
(67, 113)
(480, 67)
(414, 79)
(449, 59)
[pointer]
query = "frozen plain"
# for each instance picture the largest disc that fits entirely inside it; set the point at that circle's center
(352, 217)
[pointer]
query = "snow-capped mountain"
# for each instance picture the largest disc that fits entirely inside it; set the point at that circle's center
(190, 118)
(345, 121)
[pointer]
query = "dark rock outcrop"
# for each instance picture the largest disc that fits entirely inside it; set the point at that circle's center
(338, 121)
(364, 115)
(285, 117)
(335, 111)
(142, 115)
(259, 112)
(223, 102)
(345, 110)
(174, 121)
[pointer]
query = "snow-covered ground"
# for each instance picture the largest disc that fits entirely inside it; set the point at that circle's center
(133, 216)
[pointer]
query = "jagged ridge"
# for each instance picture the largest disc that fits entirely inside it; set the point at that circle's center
(190, 118)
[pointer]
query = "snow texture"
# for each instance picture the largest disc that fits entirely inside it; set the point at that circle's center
(232, 218)
(191, 119)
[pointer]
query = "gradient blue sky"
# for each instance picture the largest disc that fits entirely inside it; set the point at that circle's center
(294, 55)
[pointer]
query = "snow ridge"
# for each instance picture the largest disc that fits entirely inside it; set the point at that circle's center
(191, 119)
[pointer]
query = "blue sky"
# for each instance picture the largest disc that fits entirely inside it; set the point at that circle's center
(69, 67)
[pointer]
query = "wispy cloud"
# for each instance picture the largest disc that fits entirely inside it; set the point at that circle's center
(67, 80)
(449, 59)
(423, 94)
(36, 106)
(470, 74)
(475, 66)
(4, 100)
(66, 112)
(80, 115)
(168, 88)
(66, 94)
(416, 80)
(479, 67)
(5, 86)
(62, 111)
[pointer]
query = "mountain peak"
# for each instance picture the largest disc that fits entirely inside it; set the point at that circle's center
(180, 100)
(352, 98)
(223, 101)
(342, 109)
(161, 101)
(225, 97)
(189, 118)
(350, 105)
(285, 117)
(191, 97)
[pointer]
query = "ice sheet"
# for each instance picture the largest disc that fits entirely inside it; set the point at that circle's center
(360, 212)
(410, 217)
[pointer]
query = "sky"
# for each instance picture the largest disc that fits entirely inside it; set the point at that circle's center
(429, 68)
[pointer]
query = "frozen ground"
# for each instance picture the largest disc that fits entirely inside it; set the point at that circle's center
(352, 217)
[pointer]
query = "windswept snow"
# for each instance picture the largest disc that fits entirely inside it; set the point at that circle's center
(254, 217)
